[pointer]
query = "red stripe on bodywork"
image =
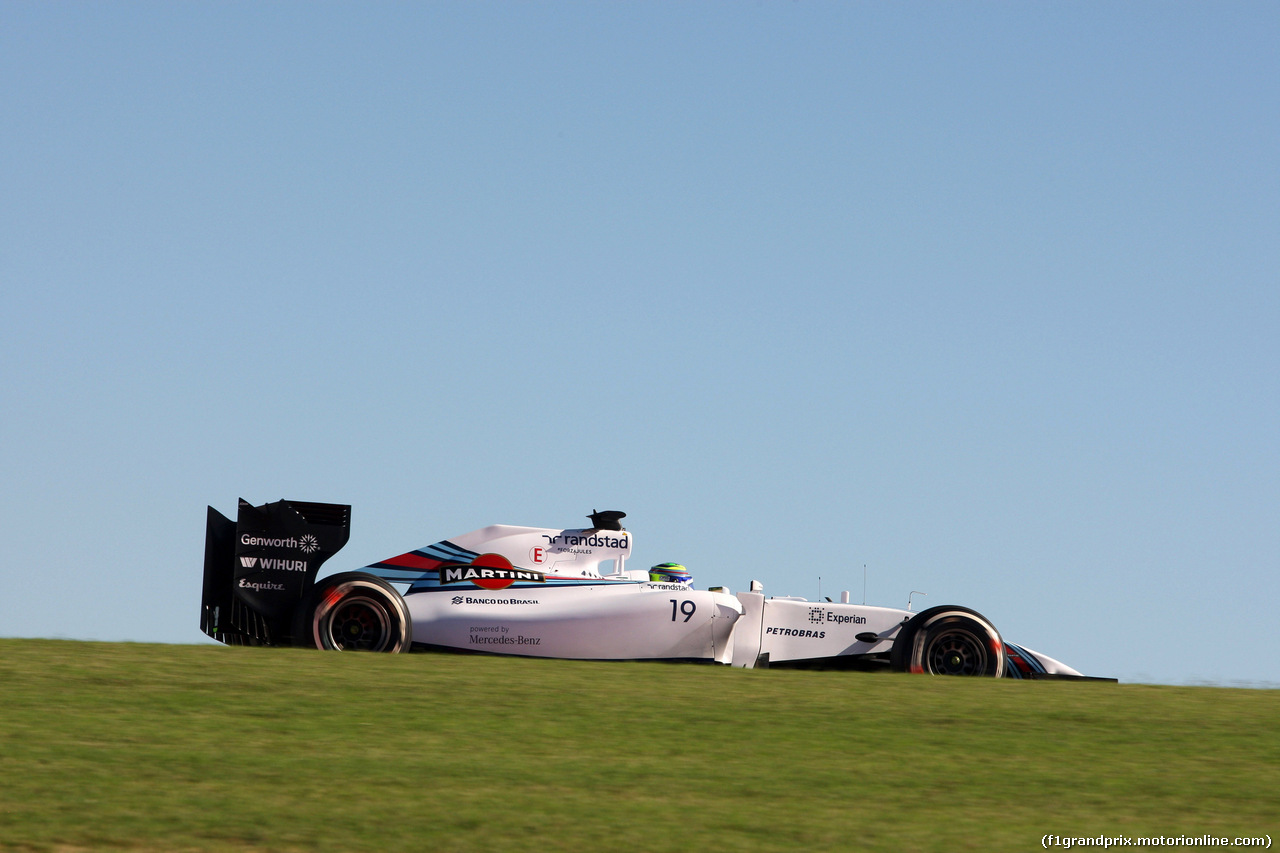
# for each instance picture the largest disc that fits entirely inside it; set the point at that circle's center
(412, 561)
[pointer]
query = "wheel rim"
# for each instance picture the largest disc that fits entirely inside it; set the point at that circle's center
(956, 653)
(358, 624)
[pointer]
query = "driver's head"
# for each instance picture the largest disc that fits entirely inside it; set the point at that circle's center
(670, 573)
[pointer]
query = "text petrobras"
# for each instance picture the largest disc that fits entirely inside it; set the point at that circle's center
(461, 574)
(796, 632)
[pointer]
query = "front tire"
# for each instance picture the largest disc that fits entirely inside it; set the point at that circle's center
(353, 611)
(949, 640)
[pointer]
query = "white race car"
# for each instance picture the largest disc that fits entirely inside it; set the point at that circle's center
(568, 593)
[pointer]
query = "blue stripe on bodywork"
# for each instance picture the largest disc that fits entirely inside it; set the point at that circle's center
(1032, 661)
(431, 583)
(446, 550)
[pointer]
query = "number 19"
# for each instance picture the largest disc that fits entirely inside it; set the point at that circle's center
(686, 607)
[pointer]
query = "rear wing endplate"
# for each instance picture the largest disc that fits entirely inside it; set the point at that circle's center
(258, 568)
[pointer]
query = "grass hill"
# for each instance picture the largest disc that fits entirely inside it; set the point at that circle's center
(156, 747)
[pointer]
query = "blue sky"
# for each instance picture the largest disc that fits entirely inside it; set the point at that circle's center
(982, 297)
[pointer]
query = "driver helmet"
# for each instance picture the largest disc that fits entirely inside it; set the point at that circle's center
(670, 573)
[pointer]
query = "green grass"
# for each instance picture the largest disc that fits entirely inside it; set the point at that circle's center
(152, 747)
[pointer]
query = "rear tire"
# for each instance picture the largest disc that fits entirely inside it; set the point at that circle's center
(353, 611)
(949, 640)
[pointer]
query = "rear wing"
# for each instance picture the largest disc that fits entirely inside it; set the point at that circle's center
(258, 568)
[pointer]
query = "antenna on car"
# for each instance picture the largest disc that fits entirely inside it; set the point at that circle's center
(913, 592)
(864, 583)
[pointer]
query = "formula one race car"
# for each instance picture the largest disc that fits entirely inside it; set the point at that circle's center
(557, 593)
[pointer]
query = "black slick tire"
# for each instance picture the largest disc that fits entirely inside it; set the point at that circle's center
(949, 640)
(353, 611)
